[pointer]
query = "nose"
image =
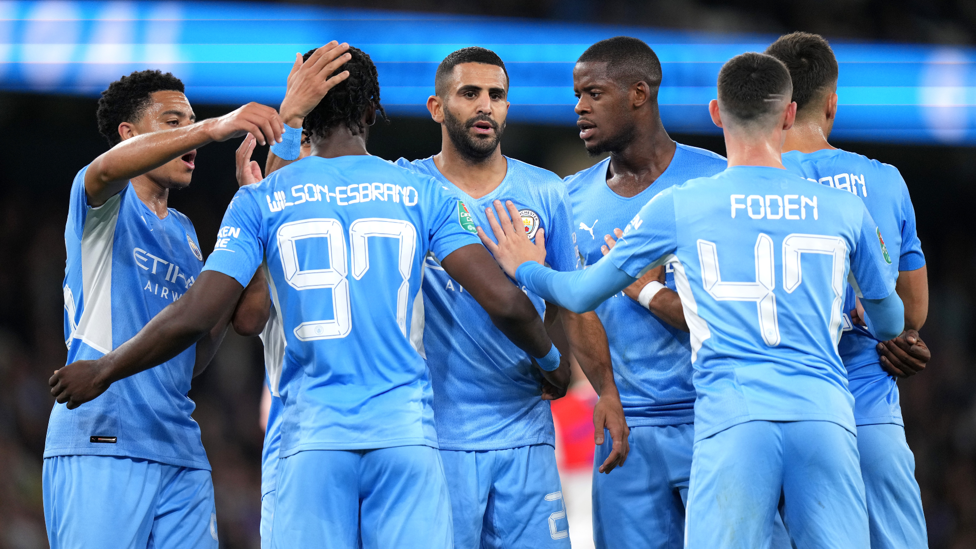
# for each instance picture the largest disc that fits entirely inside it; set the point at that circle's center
(484, 104)
(581, 106)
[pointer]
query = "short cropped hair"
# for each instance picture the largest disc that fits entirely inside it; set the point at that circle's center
(811, 62)
(346, 104)
(629, 60)
(473, 54)
(752, 86)
(127, 98)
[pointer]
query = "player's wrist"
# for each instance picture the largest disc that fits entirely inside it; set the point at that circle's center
(290, 115)
(648, 292)
(290, 147)
(550, 362)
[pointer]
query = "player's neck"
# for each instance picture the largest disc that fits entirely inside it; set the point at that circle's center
(638, 165)
(476, 179)
(754, 151)
(152, 194)
(806, 137)
(340, 142)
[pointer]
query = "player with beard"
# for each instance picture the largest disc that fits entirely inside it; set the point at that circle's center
(496, 435)
(358, 465)
(616, 82)
(129, 469)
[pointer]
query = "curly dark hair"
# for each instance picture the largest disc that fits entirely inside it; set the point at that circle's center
(348, 101)
(127, 97)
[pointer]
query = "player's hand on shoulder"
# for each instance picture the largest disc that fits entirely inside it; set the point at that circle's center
(511, 246)
(78, 383)
(248, 171)
(258, 120)
(904, 356)
(310, 81)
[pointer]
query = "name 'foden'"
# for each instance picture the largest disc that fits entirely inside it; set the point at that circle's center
(774, 206)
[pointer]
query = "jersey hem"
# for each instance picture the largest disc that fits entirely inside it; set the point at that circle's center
(639, 421)
(845, 422)
(176, 462)
(374, 445)
(461, 446)
(879, 420)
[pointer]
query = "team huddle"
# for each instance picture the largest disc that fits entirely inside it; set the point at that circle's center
(742, 319)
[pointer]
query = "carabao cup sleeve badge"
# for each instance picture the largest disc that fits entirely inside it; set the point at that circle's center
(465, 219)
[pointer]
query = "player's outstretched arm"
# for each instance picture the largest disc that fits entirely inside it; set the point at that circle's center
(577, 291)
(510, 309)
(308, 82)
(183, 323)
(108, 174)
(587, 341)
(650, 291)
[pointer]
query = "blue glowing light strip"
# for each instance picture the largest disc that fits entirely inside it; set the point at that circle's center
(234, 52)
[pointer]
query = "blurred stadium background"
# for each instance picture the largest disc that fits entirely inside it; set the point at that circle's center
(907, 96)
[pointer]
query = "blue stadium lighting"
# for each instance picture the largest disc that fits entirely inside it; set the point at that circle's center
(229, 53)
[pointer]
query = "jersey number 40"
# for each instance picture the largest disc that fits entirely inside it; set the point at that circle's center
(761, 291)
(335, 277)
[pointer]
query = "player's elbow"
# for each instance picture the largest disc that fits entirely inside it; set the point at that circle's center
(512, 309)
(250, 322)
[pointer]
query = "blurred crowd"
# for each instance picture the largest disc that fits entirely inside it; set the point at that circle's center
(54, 137)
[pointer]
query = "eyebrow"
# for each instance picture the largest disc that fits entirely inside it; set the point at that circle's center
(474, 87)
(180, 114)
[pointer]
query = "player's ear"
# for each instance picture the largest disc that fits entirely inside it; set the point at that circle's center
(436, 108)
(127, 131)
(714, 112)
(640, 93)
(831, 110)
(369, 117)
(790, 116)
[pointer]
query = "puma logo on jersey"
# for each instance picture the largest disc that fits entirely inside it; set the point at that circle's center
(589, 229)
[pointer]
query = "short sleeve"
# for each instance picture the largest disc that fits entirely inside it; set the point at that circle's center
(560, 237)
(649, 239)
(911, 257)
(870, 260)
(239, 249)
(78, 204)
(451, 225)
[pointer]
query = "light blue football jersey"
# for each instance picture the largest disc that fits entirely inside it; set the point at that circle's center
(651, 360)
(487, 390)
(274, 355)
(124, 265)
(886, 196)
(761, 258)
(344, 241)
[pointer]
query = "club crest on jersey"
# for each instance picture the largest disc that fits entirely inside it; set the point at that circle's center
(884, 249)
(198, 255)
(465, 219)
(531, 222)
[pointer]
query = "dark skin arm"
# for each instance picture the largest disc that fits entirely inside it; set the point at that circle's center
(254, 307)
(510, 309)
(665, 304)
(582, 337)
(181, 324)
